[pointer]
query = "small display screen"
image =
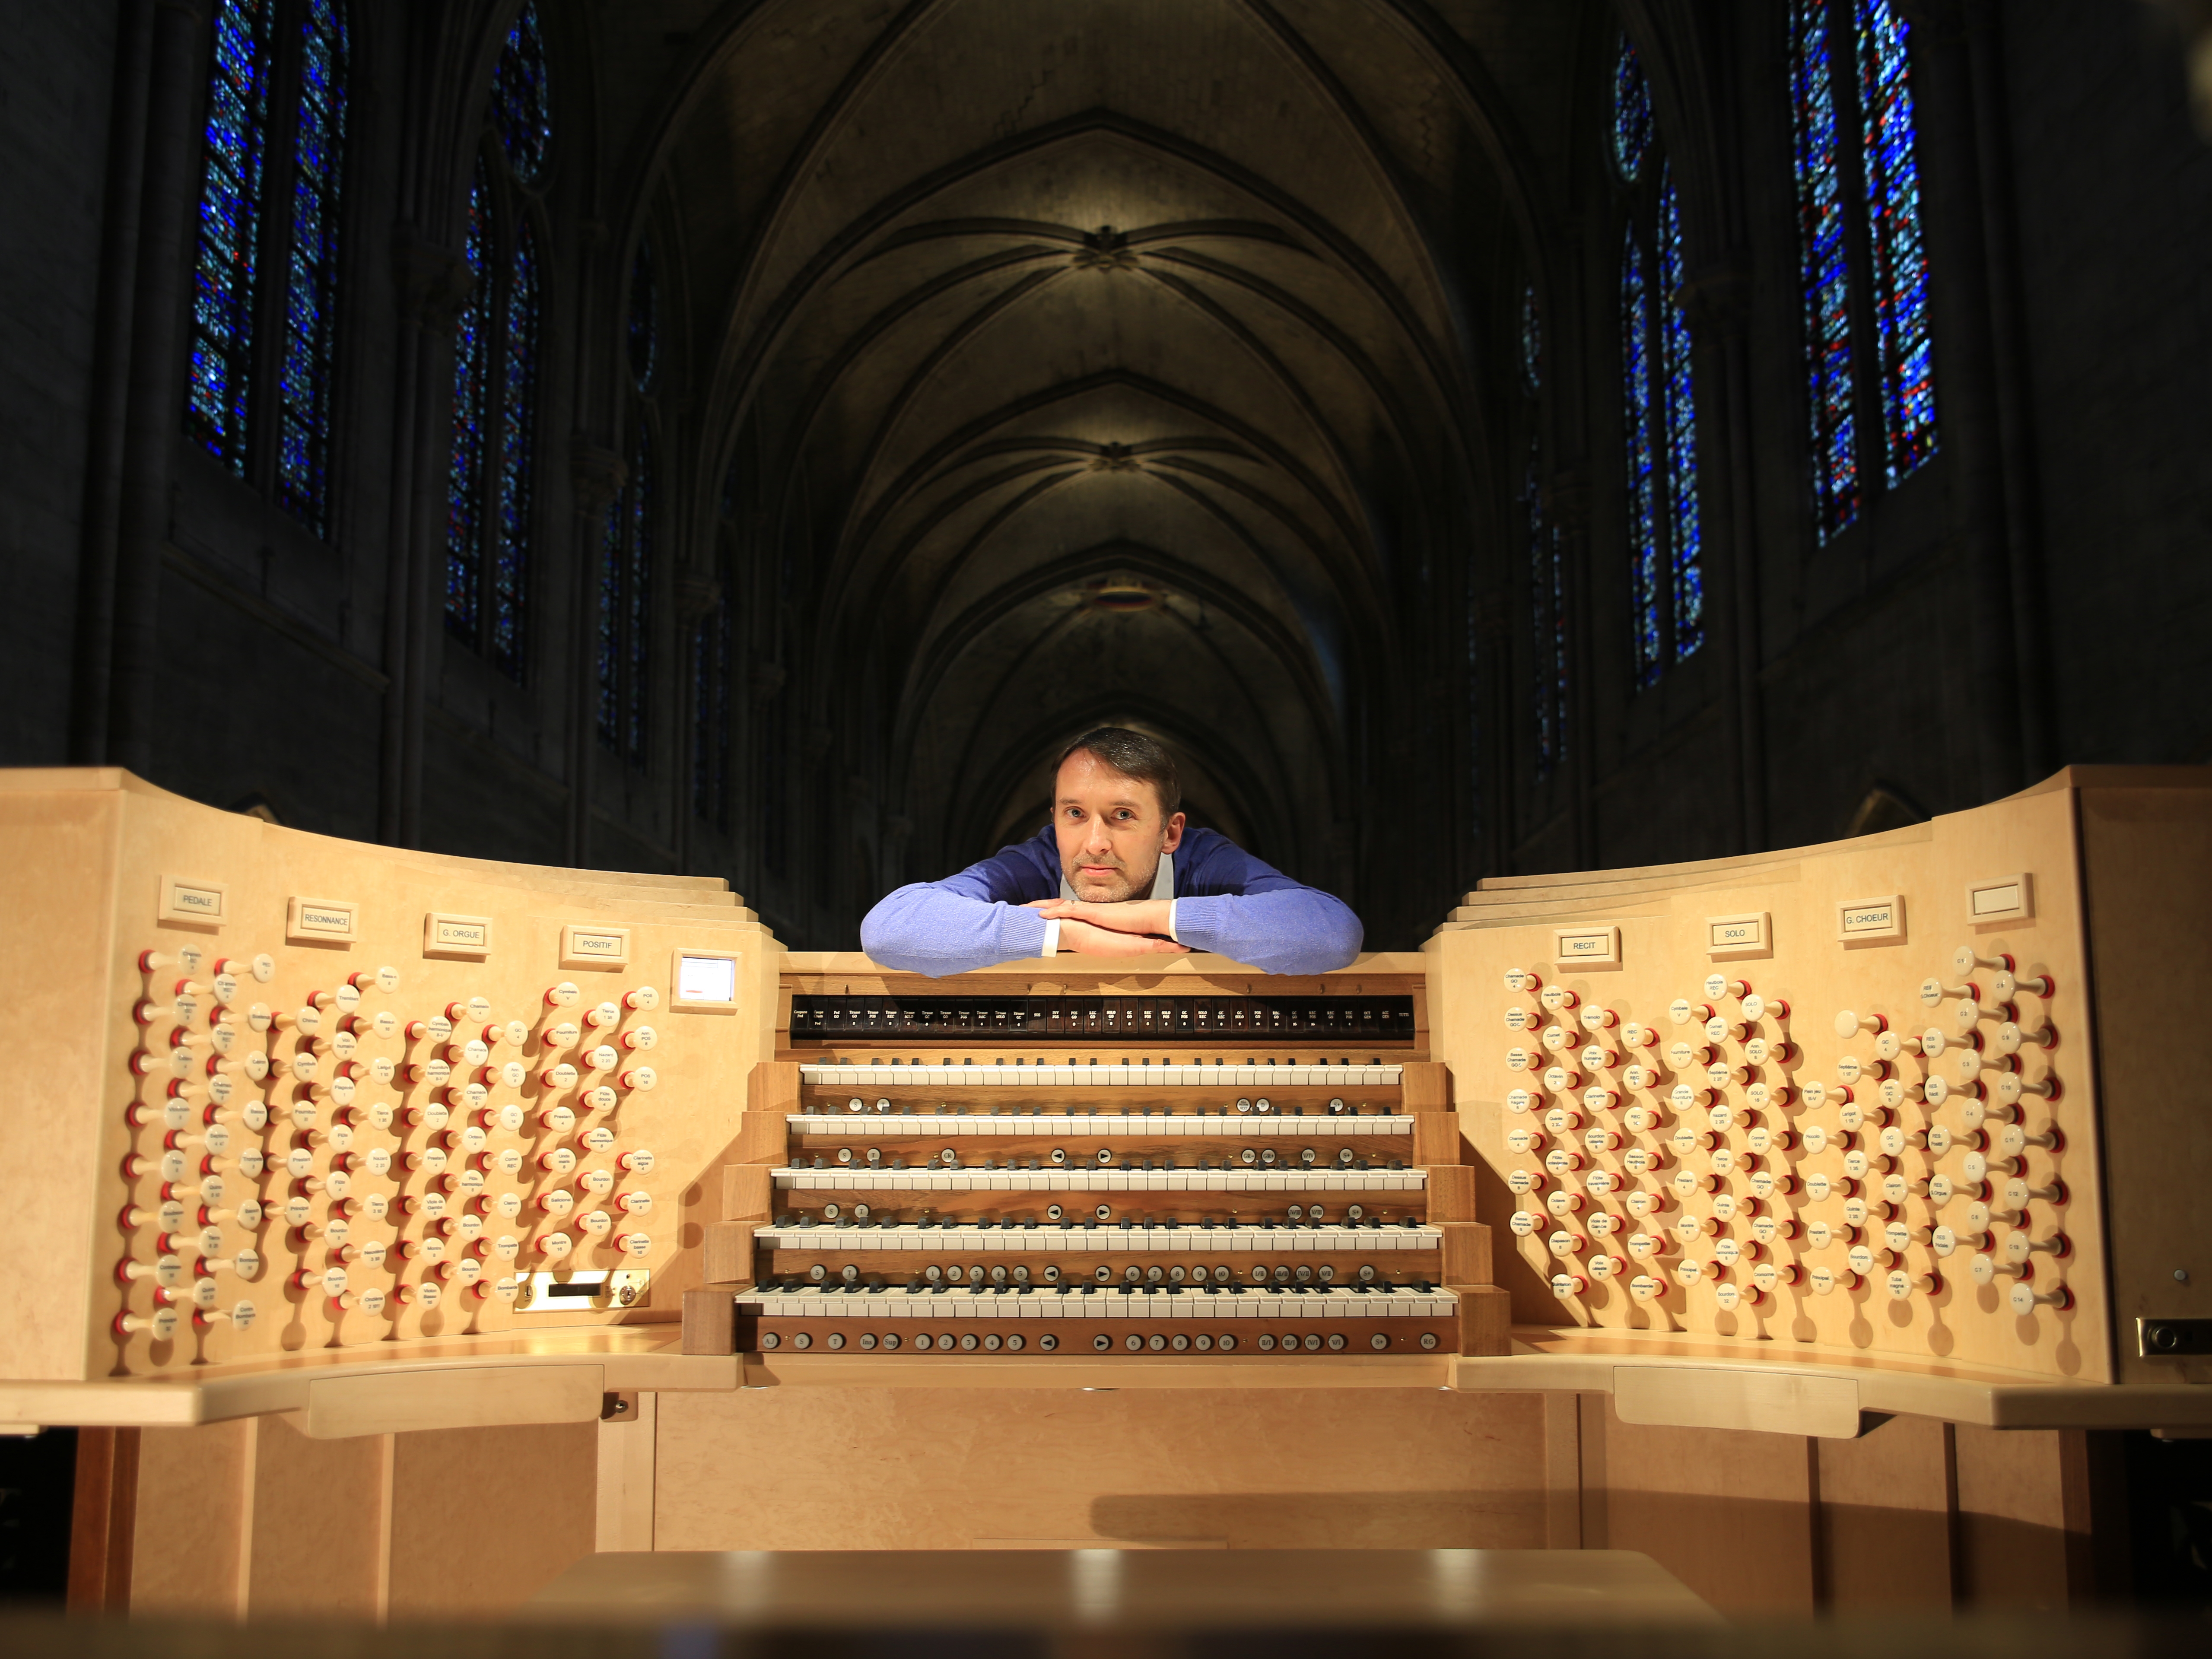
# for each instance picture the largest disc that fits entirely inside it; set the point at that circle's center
(706, 979)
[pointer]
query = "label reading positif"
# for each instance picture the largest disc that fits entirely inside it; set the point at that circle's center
(448, 935)
(322, 922)
(585, 946)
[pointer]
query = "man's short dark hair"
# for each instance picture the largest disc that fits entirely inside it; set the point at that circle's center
(1133, 755)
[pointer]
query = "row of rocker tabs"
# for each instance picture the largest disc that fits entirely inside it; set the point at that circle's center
(1015, 1341)
(1379, 1020)
(1360, 1278)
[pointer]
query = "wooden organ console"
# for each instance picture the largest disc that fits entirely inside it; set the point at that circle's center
(334, 1145)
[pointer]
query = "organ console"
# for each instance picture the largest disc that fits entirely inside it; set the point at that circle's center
(384, 1140)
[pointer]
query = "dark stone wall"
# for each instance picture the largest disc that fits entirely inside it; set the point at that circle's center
(57, 71)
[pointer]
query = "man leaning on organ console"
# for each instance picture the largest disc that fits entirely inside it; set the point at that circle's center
(1117, 832)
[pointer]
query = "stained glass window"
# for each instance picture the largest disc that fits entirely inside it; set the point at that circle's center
(259, 391)
(1659, 405)
(522, 103)
(1531, 340)
(644, 320)
(498, 343)
(625, 640)
(225, 274)
(1684, 529)
(1632, 112)
(612, 571)
(472, 340)
(1904, 342)
(1643, 459)
(1824, 257)
(637, 599)
(518, 436)
(311, 273)
(1546, 690)
(1862, 259)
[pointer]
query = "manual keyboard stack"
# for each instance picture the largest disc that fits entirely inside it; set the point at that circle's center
(1044, 1205)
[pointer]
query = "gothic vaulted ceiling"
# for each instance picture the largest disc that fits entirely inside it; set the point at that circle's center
(1100, 360)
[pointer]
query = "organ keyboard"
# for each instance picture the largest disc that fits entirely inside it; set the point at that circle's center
(879, 1186)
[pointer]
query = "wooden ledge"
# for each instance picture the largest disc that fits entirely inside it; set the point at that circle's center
(451, 1382)
(1688, 1381)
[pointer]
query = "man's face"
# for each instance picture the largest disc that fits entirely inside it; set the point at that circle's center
(1110, 830)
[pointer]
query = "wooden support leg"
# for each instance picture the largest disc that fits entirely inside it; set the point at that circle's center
(104, 1515)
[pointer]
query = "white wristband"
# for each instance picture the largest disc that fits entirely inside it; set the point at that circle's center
(1051, 945)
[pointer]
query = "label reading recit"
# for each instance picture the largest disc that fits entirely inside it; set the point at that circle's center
(1586, 946)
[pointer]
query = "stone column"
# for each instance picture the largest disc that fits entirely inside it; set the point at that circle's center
(595, 476)
(429, 283)
(108, 405)
(154, 421)
(1718, 300)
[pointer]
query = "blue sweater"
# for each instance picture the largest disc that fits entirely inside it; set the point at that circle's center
(1226, 901)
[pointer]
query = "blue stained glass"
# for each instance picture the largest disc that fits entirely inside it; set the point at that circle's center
(226, 271)
(1824, 272)
(611, 620)
(1532, 339)
(473, 348)
(304, 384)
(1632, 112)
(1644, 586)
(638, 600)
(644, 320)
(522, 100)
(1555, 556)
(1684, 529)
(1904, 337)
(517, 444)
(1544, 698)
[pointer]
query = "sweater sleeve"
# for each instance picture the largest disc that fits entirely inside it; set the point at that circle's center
(1292, 930)
(974, 920)
(1247, 910)
(923, 929)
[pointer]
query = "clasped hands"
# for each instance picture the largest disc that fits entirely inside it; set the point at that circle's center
(1133, 927)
